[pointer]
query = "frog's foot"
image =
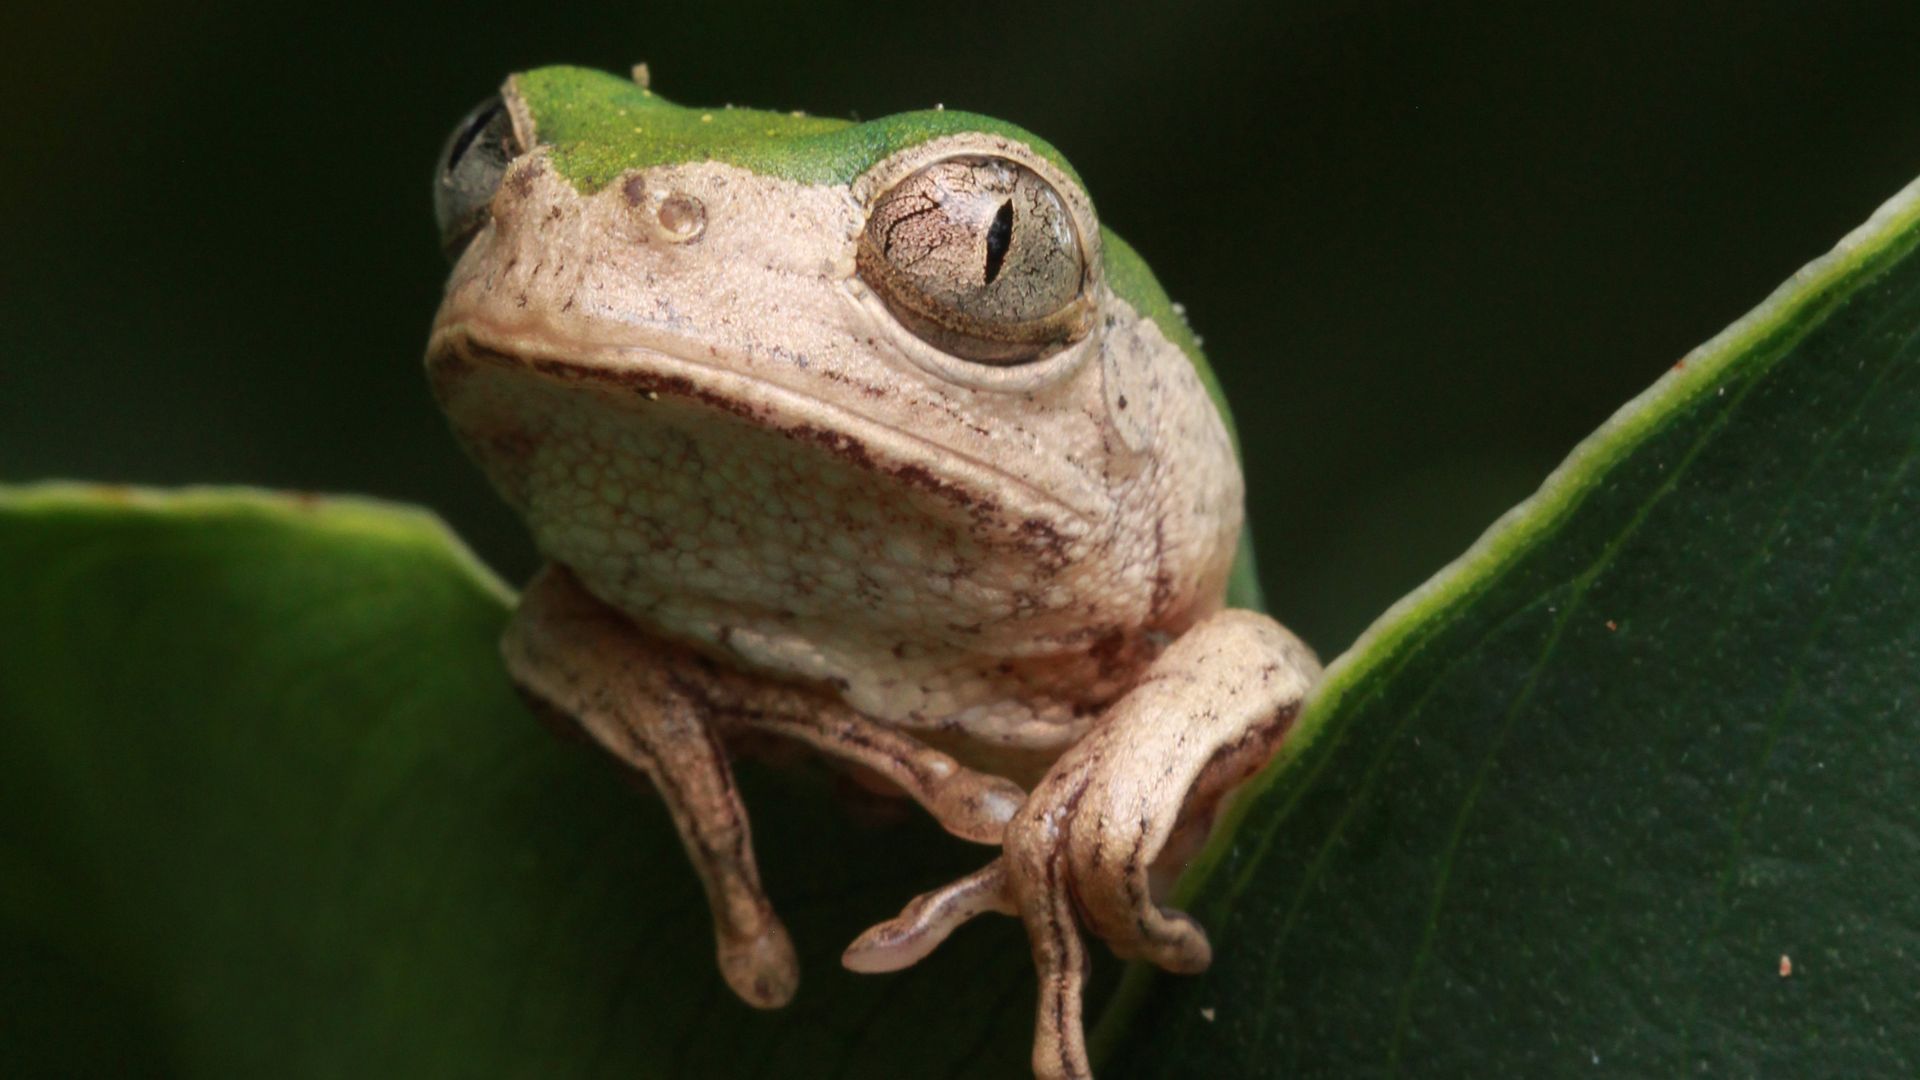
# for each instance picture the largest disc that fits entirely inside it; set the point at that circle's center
(1121, 807)
(572, 654)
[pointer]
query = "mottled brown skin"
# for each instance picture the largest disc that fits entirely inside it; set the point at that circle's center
(771, 507)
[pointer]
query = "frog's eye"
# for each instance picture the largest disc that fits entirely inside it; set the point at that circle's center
(978, 256)
(471, 165)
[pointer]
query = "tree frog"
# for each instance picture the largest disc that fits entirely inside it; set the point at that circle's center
(868, 436)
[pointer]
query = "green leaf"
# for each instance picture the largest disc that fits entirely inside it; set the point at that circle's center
(272, 809)
(1581, 800)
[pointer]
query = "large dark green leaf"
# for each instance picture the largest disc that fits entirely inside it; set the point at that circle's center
(1582, 802)
(271, 809)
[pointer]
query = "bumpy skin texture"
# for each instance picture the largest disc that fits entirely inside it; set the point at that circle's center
(771, 506)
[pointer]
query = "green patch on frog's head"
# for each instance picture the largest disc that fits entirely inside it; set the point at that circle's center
(597, 126)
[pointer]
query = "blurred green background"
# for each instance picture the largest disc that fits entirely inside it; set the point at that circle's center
(1428, 249)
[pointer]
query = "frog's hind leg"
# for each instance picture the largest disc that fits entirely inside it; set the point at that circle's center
(575, 655)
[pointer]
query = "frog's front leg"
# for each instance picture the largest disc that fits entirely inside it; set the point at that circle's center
(663, 708)
(1134, 797)
(577, 656)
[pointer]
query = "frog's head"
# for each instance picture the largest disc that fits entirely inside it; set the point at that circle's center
(911, 331)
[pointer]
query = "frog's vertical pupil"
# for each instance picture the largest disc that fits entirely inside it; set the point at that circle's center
(999, 238)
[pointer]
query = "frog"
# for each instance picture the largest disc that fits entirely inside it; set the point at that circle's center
(867, 436)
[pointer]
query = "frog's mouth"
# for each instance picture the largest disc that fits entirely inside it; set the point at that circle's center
(459, 348)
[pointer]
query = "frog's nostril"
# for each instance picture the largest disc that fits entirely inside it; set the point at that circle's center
(682, 217)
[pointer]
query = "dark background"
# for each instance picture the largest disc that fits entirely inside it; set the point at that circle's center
(1428, 249)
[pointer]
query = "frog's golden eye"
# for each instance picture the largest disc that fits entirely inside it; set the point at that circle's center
(978, 256)
(471, 164)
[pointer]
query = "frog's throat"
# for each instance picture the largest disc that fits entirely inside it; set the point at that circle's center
(654, 374)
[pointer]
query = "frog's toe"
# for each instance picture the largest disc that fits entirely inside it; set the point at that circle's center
(1108, 846)
(761, 968)
(1139, 929)
(1038, 878)
(975, 806)
(925, 922)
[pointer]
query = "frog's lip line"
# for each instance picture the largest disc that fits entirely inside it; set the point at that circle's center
(668, 374)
